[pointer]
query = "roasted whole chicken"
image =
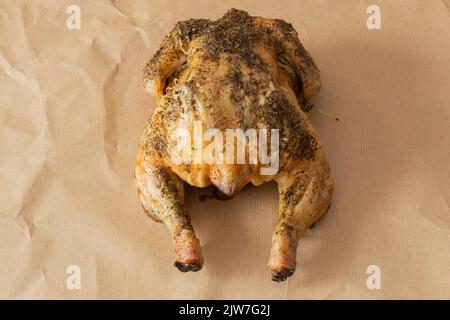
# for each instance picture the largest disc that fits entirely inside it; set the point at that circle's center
(238, 72)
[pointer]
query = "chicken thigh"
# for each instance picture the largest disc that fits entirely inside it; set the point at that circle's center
(236, 72)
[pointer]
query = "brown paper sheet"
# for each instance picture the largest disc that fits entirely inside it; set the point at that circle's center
(72, 109)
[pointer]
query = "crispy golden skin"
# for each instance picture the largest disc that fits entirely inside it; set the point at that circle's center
(237, 72)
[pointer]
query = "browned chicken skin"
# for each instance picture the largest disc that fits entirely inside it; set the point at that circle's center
(236, 72)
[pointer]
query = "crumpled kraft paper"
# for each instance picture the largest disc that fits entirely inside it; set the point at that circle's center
(72, 109)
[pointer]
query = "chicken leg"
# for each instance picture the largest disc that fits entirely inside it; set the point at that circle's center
(162, 195)
(305, 195)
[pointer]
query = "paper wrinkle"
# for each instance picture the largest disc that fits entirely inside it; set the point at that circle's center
(80, 71)
(15, 210)
(144, 37)
(109, 129)
(31, 287)
(440, 227)
(23, 125)
(113, 3)
(19, 77)
(132, 20)
(447, 6)
(20, 218)
(333, 291)
(98, 45)
(23, 25)
(26, 227)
